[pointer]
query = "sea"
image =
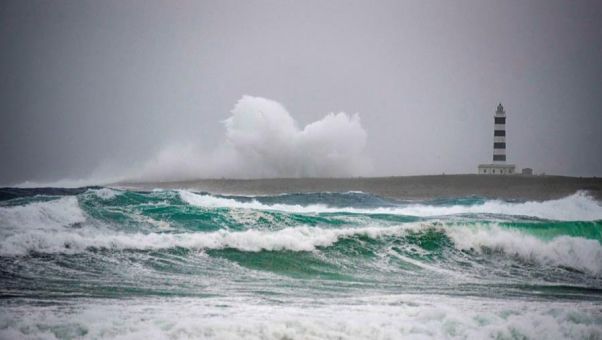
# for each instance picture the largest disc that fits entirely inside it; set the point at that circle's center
(104, 263)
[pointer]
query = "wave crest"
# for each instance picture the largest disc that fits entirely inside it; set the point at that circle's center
(565, 251)
(577, 207)
(45, 215)
(293, 239)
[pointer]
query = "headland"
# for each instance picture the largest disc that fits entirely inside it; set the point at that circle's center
(402, 187)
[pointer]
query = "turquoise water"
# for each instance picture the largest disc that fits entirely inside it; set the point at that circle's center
(99, 262)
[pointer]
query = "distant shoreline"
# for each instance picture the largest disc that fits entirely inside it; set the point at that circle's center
(401, 187)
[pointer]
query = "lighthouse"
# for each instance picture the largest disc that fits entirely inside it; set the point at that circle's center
(499, 135)
(499, 166)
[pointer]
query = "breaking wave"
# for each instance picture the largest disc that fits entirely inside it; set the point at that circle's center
(46, 215)
(577, 207)
(572, 252)
(98, 262)
(62, 226)
(263, 140)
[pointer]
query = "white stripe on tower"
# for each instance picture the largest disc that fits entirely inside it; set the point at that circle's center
(499, 135)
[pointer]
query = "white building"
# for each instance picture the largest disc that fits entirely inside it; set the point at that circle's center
(499, 166)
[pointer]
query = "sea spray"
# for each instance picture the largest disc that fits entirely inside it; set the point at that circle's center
(262, 139)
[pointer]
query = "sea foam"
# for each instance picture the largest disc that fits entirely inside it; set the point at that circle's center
(44, 215)
(573, 252)
(374, 317)
(577, 207)
(77, 240)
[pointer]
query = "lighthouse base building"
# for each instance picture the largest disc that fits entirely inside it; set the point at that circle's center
(499, 166)
(497, 169)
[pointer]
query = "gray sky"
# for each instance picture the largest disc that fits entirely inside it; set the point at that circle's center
(89, 83)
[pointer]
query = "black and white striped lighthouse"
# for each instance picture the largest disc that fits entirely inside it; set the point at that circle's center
(498, 166)
(499, 135)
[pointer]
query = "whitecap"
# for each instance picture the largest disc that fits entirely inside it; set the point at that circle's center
(577, 207)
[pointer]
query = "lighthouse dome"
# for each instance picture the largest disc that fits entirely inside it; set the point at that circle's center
(500, 108)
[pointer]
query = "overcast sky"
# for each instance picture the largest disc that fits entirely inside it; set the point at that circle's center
(89, 83)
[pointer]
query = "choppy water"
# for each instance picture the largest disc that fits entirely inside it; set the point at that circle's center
(104, 263)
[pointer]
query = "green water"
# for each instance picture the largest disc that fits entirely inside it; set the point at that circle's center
(297, 258)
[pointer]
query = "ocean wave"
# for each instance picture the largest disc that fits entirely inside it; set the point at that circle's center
(577, 207)
(61, 226)
(572, 252)
(105, 193)
(416, 317)
(563, 251)
(46, 215)
(78, 240)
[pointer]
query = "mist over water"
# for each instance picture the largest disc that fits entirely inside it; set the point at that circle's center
(261, 140)
(266, 138)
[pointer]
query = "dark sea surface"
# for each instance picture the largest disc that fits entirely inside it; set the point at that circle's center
(174, 263)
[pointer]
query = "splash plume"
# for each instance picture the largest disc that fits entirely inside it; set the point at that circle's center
(262, 140)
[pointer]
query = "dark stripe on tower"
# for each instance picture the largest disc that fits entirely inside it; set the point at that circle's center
(499, 145)
(499, 158)
(500, 120)
(499, 133)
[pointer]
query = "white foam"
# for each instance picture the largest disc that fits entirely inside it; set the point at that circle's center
(574, 252)
(577, 207)
(252, 217)
(105, 193)
(261, 140)
(268, 143)
(46, 215)
(374, 317)
(77, 240)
